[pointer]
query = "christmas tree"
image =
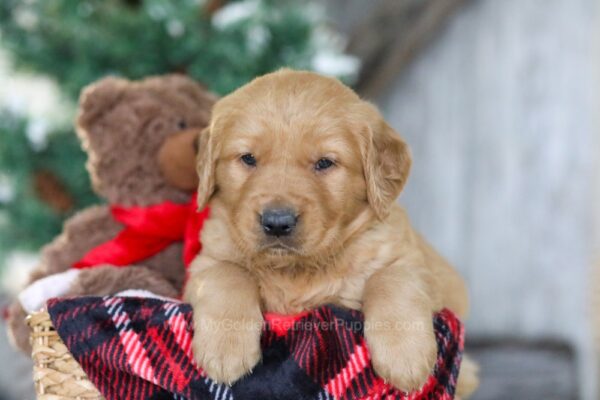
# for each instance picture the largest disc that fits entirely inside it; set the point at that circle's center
(222, 44)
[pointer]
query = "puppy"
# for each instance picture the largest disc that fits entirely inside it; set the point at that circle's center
(302, 178)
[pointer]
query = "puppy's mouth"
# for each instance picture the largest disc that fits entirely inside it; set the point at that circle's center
(278, 247)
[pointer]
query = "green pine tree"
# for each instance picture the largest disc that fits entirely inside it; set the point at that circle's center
(26, 220)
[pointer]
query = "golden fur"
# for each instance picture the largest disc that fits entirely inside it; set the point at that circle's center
(353, 246)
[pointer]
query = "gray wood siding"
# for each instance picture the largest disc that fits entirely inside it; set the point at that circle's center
(501, 113)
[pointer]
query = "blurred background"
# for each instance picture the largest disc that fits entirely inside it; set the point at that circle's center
(498, 100)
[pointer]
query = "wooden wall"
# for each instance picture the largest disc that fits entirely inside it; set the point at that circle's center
(501, 113)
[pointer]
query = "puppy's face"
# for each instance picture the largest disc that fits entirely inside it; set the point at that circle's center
(293, 159)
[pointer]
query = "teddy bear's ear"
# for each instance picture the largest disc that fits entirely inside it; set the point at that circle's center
(194, 90)
(97, 98)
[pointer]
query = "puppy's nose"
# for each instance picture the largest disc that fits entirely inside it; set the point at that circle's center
(278, 221)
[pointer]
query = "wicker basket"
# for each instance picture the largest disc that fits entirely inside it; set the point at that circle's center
(56, 374)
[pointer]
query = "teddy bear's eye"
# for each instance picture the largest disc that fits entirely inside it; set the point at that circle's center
(182, 124)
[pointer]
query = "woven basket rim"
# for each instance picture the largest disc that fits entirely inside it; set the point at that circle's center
(56, 374)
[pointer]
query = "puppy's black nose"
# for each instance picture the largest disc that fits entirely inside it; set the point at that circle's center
(278, 221)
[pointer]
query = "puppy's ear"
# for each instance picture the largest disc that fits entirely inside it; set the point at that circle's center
(206, 162)
(386, 164)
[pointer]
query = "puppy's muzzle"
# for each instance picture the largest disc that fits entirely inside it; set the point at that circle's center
(278, 221)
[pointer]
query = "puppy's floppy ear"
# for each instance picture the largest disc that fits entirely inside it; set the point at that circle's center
(386, 164)
(206, 163)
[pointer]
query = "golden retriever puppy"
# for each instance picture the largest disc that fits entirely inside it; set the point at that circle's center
(302, 178)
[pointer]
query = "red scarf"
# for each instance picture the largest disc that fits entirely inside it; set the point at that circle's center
(147, 231)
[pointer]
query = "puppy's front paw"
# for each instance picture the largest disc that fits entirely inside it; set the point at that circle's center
(402, 354)
(226, 349)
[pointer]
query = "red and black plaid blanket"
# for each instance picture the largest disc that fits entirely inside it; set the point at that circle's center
(140, 348)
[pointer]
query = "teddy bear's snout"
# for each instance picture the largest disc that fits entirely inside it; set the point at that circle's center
(177, 159)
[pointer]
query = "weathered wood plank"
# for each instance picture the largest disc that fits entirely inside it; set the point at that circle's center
(501, 115)
(520, 370)
(390, 37)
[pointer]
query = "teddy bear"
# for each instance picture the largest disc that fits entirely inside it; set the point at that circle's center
(141, 142)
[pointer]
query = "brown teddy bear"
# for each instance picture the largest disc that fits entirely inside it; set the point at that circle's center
(141, 140)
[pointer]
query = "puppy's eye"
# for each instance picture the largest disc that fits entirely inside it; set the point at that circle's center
(323, 164)
(249, 160)
(181, 124)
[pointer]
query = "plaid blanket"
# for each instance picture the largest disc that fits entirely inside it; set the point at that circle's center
(140, 348)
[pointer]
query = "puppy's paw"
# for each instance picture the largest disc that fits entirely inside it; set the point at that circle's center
(403, 357)
(227, 349)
